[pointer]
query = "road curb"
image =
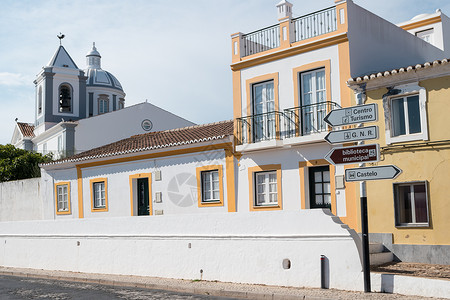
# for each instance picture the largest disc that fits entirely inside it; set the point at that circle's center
(164, 287)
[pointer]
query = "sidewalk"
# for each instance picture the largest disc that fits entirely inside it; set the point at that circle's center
(222, 289)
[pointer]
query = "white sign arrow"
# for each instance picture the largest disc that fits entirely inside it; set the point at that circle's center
(352, 115)
(352, 135)
(372, 173)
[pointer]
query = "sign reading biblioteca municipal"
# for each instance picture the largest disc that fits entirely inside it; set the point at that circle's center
(354, 154)
(352, 115)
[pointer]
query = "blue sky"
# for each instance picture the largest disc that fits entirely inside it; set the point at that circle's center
(174, 53)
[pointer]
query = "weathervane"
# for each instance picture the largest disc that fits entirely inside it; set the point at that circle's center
(60, 37)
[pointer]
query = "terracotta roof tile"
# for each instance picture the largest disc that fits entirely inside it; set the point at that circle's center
(26, 129)
(156, 140)
(368, 77)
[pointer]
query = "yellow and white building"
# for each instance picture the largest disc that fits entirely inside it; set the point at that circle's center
(287, 77)
(410, 215)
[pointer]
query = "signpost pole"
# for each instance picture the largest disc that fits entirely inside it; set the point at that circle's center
(365, 237)
(361, 98)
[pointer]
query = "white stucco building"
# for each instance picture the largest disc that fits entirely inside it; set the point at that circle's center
(77, 110)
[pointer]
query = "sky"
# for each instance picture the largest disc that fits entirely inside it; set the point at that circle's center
(175, 54)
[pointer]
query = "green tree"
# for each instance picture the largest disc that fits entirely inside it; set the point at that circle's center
(18, 164)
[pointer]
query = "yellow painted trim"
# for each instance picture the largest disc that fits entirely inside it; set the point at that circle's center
(199, 171)
(303, 167)
(422, 23)
(297, 48)
(80, 192)
(342, 27)
(249, 88)
(251, 172)
(137, 176)
(285, 23)
(344, 74)
(69, 211)
(155, 155)
(236, 38)
(230, 171)
(237, 103)
(91, 184)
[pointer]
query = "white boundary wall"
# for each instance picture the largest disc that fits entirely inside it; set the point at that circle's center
(21, 200)
(409, 285)
(244, 247)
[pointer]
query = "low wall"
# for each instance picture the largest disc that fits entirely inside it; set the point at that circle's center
(20, 200)
(408, 285)
(244, 247)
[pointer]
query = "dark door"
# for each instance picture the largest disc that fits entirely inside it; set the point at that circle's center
(319, 187)
(143, 203)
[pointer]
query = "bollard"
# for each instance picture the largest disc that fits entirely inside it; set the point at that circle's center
(322, 272)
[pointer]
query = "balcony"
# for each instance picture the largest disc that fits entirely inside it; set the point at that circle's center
(314, 24)
(301, 28)
(307, 119)
(292, 126)
(258, 128)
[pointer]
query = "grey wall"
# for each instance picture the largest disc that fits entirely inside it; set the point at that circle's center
(377, 45)
(428, 254)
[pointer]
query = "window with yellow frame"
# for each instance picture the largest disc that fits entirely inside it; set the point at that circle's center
(265, 187)
(210, 185)
(99, 194)
(62, 198)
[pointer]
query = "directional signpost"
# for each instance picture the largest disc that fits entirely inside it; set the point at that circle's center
(352, 135)
(354, 154)
(352, 115)
(372, 173)
(358, 154)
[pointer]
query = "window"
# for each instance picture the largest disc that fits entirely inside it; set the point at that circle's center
(320, 187)
(65, 98)
(265, 187)
(103, 104)
(411, 204)
(44, 148)
(405, 117)
(62, 198)
(210, 185)
(426, 35)
(99, 194)
(40, 100)
(264, 117)
(266, 191)
(313, 101)
(60, 145)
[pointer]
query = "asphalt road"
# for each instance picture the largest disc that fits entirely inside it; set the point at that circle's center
(15, 288)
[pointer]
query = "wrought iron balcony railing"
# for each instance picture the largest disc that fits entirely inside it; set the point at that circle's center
(315, 24)
(261, 40)
(304, 27)
(256, 128)
(307, 119)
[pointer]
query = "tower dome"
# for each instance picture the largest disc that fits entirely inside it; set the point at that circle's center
(96, 76)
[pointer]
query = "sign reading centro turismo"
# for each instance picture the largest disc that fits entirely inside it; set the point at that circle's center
(352, 115)
(372, 173)
(354, 154)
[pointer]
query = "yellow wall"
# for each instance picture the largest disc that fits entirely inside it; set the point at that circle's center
(424, 163)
